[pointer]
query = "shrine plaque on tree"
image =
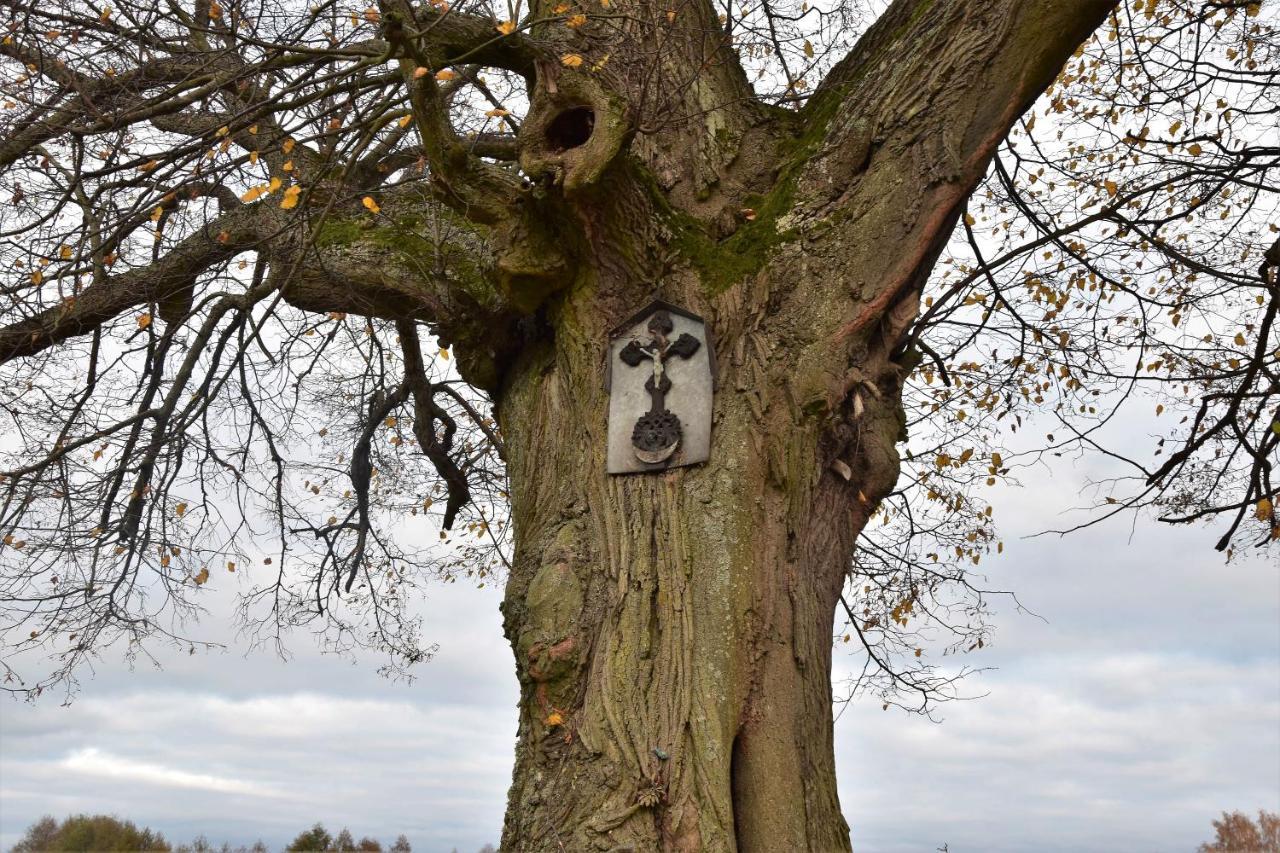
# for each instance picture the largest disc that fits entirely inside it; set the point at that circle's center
(660, 380)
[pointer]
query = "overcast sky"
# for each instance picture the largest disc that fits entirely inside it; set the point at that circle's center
(1146, 701)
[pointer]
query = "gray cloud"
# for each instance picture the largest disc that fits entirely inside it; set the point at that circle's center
(1144, 700)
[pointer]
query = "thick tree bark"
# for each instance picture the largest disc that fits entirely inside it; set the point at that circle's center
(673, 632)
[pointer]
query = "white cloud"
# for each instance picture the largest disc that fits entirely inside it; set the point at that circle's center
(95, 762)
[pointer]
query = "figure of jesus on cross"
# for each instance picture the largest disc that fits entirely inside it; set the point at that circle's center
(657, 433)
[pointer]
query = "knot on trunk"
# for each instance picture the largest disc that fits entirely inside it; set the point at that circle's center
(532, 259)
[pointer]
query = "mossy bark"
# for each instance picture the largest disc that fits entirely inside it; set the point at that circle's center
(673, 631)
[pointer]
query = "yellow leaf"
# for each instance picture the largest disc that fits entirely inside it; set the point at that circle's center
(231, 567)
(555, 719)
(224, 130)
(1112, 188)
(445, 74)
(969, 220)
(149, 165)
(496, 113)
(288, 145)
(64, 252)
(420, 72)
(253, 157)
(37, 277)
(444, 353)
(290, 199)
(181, 510)
(560, 9)
(571, 60)
(808, 49)
(254, 194)
(506, 27)
(371, 15)
(144, 320)
(1263, 511)
(404, 120)
(370, 204)
(575, 20)
(275, 184)
(157, 213)
(1240, 341)
(288, 166)
(202, 578)
(1195, 149)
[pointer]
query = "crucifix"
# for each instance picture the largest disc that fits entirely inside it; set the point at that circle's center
(659, 414)
(656, 434)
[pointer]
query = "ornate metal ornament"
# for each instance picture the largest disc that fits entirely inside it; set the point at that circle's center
(660, 391)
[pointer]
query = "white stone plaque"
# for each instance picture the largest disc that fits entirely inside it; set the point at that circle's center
(660, 378)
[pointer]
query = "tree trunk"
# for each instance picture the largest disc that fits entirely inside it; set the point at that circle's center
(673, 631)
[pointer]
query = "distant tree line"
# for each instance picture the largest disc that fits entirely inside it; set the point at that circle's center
(317, 838)
(109, 834)
(1235, 833)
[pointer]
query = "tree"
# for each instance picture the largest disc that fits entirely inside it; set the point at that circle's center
(233, 225)
(89, 832)
(41, 835)
(1236, 832)
(401, 845)
(315, 838)
(345, 842)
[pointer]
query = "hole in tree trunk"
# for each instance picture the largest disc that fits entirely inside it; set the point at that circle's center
(571, 129)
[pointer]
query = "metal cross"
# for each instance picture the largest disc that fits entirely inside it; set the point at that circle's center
(657, 432)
